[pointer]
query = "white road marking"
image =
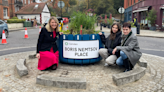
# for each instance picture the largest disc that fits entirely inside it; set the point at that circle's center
(151, 49)
(17, 48)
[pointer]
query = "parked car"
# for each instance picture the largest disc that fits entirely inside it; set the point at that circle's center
(59, 19)
(3, 26)
(65, 20)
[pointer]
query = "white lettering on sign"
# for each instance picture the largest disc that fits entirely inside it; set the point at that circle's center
(80, 49)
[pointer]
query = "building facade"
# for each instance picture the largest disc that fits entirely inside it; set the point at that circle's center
(142, 7)
(8, 8)
(38, 11)
(4, 9)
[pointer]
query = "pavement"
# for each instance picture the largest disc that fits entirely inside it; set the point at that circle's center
(143, 33)
(98, 77)
(23, 28)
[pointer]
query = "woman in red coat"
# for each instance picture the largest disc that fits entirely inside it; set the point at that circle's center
(47, 50)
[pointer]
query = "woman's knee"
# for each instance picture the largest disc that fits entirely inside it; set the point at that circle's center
(118, 62)
(102, 50)
(122, 53)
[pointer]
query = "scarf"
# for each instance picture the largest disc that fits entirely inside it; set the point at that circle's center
(124, 38)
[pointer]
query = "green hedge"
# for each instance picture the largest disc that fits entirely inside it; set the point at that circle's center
(15, 20)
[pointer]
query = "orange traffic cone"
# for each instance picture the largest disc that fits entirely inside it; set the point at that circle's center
(67, 26)
(4, 38)
(26, 34)
(39, 30)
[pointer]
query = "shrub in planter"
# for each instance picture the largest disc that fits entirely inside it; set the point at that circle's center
(152, 17)
(110, 22)
(89, 39)
(80, 18)
(133, 28)
(105, 23)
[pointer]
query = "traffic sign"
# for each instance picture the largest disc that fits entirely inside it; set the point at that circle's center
(61, 4)
(121, 10)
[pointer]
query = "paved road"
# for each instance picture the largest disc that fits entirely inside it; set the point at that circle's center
(17, 43)
(149, 45)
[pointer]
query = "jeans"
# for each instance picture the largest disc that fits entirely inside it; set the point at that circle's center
(122, 57)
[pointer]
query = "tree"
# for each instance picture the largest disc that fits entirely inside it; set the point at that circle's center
(105, 7)
(66, 4)
(118, 4)
(72, 2)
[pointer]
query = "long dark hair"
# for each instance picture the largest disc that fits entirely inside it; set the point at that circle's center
(113, 35)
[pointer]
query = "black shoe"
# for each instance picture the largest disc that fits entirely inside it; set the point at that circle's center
(54, 67)
(126, 70)
(127, 64)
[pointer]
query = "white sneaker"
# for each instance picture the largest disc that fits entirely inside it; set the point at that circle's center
(106, 64)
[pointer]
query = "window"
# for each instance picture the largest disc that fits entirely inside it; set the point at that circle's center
(1, 22)
(5, 12)
(28, 1)
(134, 1)
(163, 19)
(131, 2)
(25, 1)
(16, 9)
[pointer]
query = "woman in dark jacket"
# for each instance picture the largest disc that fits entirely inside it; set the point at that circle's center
(47, 51)
(113, 40)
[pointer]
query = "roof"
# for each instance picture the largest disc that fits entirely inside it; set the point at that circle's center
(30, 9)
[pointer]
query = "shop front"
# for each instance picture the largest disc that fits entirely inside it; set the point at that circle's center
(128, 14)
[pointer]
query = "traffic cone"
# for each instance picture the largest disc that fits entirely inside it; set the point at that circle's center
(4, 38)
(39, 30)
(67, 26)
(26, 34)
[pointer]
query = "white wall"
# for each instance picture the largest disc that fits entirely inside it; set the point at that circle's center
(15, 25)
(30, 17)
(45, 9)
(45, 16)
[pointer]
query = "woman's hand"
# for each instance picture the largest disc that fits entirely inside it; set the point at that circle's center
(38, 55)
(61, 33)
(114, 51)
(100, 33)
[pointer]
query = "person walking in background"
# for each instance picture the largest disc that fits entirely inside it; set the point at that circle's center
(32, 22)
(135, 22)
(129, 50)
(113, 40)
(47, 50)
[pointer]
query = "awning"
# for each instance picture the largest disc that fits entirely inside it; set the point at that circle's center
(162, 7)
(141, 9)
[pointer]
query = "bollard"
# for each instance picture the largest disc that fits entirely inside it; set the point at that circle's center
(138, 29)
(81, 29)
(101, 26)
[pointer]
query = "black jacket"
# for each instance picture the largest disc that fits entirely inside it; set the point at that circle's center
(46, 41)
(111, 44)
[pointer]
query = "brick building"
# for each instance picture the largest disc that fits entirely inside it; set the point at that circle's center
(9, 7)
(139, 8)
(4, 9)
